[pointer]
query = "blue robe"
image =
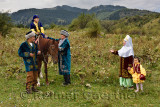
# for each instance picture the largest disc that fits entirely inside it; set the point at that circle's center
(30, 62)
(64, 58)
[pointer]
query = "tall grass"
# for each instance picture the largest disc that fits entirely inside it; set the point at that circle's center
(91, 63)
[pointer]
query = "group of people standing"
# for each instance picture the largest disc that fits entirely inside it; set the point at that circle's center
(131, 71)
(29, 51)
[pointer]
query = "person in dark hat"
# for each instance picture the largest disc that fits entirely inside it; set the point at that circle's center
(36, 26)
(28, 50)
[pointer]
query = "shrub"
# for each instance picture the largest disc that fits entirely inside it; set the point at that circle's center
(81, 22)
(5, 24)
(140, 25)
(108, 25)
(52, 25)
(94, 28)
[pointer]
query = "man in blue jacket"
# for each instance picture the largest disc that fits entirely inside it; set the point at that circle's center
(29, 51)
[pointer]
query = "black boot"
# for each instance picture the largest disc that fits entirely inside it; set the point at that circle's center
(68, 79)
(65, 80)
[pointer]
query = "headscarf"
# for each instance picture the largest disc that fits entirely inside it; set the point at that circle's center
(127, 49)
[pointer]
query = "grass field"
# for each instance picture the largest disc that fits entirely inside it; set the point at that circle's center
(92, 63)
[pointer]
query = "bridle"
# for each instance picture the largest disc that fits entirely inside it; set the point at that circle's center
(43, 53)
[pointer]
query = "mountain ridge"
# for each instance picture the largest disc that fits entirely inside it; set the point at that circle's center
(63, 15)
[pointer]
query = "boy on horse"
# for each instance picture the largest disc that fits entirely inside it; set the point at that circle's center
(29, 51)
(36, 26)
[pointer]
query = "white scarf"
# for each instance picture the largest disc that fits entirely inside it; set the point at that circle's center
(127, 49)
(61, 42)
(31, 44)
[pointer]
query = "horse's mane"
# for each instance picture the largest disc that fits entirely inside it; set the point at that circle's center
(44, 43)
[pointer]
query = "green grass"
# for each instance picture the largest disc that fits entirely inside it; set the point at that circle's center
(91, 63)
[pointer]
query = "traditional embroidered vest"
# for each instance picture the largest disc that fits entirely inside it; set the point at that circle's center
(38, 27)
(136, 68)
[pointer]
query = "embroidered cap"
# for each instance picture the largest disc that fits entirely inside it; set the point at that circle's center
(65, 33)
(35, 16)
(29, 34)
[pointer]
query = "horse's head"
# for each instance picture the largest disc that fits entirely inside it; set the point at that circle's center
(53, 50)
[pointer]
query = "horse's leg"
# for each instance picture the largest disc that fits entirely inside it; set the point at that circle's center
(39, 71)
(41, 75)
(46, 73)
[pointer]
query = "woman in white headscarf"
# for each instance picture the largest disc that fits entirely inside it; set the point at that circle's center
(126, 54)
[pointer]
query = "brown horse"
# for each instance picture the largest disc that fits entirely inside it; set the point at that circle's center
(48, 48)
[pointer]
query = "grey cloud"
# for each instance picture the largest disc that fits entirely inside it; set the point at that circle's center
(152, 5)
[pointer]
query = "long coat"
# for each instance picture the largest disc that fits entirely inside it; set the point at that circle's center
(30, 62)
(124, 64)
(64, 58)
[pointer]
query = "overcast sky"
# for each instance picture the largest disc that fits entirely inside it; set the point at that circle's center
(15, 5)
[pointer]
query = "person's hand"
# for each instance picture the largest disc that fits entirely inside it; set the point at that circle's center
(129, 68)
(46, 36)
(37, 33)
(112, 50)
(36, 41)
(39, 52)
(31, 54)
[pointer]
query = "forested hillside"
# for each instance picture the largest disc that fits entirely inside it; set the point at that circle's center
(63, 15)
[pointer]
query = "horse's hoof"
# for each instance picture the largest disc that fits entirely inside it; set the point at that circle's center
(38, 85)
(41, 75)
(47, 83)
